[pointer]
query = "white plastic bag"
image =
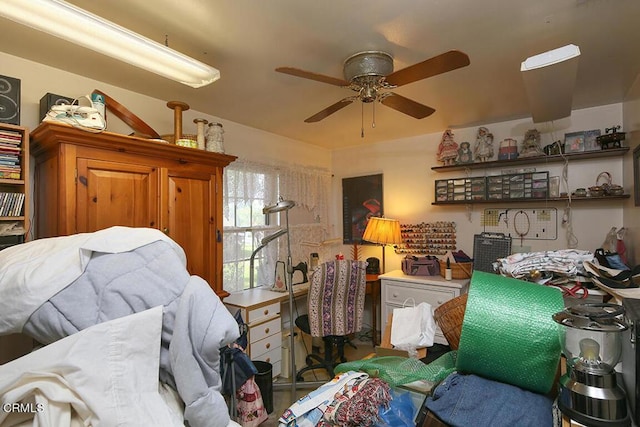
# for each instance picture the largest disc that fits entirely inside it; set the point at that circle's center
(413, 327)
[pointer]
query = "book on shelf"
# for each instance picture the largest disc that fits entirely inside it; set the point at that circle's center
(11, 204)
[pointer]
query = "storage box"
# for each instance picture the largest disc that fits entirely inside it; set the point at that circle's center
(386, 349)
(459, 270)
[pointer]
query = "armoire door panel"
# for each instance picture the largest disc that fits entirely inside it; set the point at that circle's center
(188, 218)
(111, 193)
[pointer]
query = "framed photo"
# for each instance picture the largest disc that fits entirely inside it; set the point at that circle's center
(636, 175)
(574, 142)
(590, 141)
(280, 278)
(361, 199)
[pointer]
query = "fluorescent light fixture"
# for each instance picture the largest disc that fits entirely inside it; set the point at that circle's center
(549, 80)
(68, 22)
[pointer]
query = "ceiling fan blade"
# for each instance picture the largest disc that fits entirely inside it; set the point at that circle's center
(312, 76)
(330, 110)
(443, 63)
(407, 106)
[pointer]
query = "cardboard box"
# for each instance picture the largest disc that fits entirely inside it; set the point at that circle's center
(386, 349)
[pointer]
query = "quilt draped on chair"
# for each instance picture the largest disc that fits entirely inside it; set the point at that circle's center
(336, 298)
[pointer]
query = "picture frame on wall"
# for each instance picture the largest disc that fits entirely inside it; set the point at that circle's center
(591, 141)
(574, 142)
(361, 199)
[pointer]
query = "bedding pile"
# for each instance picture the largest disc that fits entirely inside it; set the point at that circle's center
(54, 288)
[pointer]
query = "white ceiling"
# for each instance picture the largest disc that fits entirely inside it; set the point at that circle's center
(247, 39)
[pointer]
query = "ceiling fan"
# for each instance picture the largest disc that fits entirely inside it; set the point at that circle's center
(370, 74)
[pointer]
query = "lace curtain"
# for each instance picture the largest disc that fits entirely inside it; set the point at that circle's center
(262, 184)
(308, 187)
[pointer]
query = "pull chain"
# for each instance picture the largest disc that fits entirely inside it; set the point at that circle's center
(362, 120)
(373, 121)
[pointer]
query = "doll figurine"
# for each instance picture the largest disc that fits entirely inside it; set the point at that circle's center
(531, 144)
(483, 149)
(464, 153)
(448, 149)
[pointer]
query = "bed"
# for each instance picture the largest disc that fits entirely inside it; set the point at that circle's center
(130, 338)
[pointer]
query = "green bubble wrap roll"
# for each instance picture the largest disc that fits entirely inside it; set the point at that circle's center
(508, 334)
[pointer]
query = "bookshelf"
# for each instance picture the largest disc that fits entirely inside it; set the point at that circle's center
(14, 185)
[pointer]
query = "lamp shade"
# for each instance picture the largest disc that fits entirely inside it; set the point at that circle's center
(383, 231)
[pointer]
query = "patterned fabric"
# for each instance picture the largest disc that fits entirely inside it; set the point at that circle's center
(336, 298)
(358, 405)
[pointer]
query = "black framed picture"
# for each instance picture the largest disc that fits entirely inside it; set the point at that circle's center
(361, 199)
(636, 175)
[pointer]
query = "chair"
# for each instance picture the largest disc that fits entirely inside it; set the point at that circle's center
(335, 304)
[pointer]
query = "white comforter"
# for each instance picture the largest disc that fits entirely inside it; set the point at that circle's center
(32, 273)
(104, 375)
(195, 324)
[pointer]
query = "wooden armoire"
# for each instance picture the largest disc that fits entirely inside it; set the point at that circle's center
(89, 181)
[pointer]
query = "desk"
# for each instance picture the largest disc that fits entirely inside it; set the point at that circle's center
(397, 288)
(260, 309)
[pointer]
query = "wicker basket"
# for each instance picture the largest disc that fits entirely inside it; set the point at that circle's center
(459, 270)
(449, 317)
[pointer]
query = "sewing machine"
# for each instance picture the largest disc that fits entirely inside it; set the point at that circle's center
(302, 268)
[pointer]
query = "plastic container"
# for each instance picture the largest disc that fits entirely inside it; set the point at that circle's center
(264, 379)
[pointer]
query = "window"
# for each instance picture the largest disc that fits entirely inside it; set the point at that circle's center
(248, 188)
(246, 193)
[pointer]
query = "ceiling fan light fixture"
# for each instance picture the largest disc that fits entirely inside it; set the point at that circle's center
(368, 63)
(63, 20)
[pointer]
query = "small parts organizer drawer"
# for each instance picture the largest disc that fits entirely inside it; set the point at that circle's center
(397, 294)
(460, 189)
(533, 185)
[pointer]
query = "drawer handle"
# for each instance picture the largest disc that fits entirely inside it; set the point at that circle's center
(395, 295)
(440, 302)
(266, 312)
(266, 331)
(268, 345)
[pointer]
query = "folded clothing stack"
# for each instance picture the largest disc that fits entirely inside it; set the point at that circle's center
(619, 283)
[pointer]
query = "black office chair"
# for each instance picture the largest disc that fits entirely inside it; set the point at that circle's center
(336, 304)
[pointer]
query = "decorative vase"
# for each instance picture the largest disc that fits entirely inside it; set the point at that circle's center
(215, 138)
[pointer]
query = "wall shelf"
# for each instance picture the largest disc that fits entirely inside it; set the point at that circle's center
(529, 200)
(555, 158)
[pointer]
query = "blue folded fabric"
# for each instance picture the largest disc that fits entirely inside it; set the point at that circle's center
(470, 400)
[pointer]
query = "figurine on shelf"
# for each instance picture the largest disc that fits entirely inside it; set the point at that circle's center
(484, 145)
(531, 144)
(464, 153)
(448, 149)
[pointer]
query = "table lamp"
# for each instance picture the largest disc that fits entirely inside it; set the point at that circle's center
(383, 231)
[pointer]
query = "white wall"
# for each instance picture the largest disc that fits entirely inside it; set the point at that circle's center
(409, 182)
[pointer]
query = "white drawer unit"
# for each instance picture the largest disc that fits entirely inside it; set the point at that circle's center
(400, 290)
(261, 310)
(265, 331)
